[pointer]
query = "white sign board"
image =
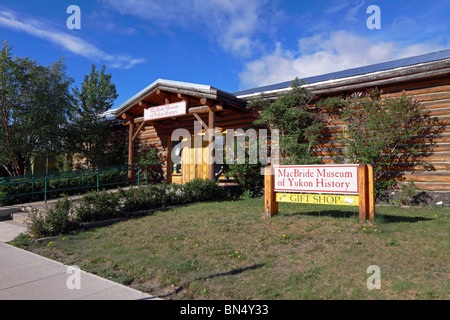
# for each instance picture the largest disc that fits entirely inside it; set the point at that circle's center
(165, 111)
(317, 179)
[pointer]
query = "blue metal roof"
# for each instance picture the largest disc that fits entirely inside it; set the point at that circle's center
(429, 57)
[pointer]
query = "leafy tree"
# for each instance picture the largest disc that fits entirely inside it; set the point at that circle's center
(245, 172)
(35, 103)
(299, 126)
(388, 133)
(90, 135)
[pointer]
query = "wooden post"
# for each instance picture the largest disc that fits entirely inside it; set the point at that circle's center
(270, 202)
(169, 160)
(211, 139)
(363, 194)
(366, 193)
(371, 191)
(130, 149)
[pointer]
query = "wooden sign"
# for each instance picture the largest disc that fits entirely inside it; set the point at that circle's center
(165, 111)
(327, 184)
(317, 179)
(335, 199)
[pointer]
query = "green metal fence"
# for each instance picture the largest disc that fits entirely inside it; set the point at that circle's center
(36, 187)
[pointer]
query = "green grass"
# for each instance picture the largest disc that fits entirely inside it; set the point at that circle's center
(229, 250)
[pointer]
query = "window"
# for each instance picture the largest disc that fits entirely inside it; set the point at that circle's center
(177, 149)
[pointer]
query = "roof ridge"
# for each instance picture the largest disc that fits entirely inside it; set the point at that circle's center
(346, 73)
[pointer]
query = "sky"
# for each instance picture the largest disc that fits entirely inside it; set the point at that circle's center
(228, 44)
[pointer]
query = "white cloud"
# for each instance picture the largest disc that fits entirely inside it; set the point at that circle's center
(320, 54)
(233, 24)
(66, 41)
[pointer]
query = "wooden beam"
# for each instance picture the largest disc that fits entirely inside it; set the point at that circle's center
(205, 109)
(145, 104)
(201, 121)
(138, 131)
(126, 116)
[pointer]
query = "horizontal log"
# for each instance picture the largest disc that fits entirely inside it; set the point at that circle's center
(443, 176)
(433, 186)
(415, 92)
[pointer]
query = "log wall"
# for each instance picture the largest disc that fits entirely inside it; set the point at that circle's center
(433, 93)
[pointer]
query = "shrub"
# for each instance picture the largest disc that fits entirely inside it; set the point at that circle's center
(37, 225)
(385, 132)
(58, 219)
(202, 190)
(54, 222)
(98, 206)
(299, 124)
(409, 193)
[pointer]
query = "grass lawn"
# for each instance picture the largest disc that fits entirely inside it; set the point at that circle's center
(229, 250)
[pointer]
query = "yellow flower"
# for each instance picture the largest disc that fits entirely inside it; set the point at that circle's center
(196, 244)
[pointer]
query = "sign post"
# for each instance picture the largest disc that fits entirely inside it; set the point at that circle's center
(271, 205)
(321, 184)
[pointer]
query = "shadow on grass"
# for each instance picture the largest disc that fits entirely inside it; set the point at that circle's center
(387, 218)
(328, 213)
(381, 218)
(215, 275)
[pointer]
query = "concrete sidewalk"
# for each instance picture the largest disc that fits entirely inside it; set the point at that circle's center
(27, 276)
(10, 229)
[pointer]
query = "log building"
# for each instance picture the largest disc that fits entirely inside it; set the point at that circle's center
(151, 116)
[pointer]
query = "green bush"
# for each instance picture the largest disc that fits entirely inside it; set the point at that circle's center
(202, 190)
(54, 222)
(102, 206)
(58, 219)
(37, 225)
(98, 206)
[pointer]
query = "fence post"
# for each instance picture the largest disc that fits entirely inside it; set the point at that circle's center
(45, 189)
(270, 202)
(32, 188)
(139, 175)
(98, 180)
(146, 175)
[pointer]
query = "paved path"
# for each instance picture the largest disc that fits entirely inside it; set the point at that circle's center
(10, 229)
(27, 276)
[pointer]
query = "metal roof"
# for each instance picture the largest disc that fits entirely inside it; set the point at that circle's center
(425, 58)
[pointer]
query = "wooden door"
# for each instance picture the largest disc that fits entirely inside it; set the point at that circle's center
(193, 164)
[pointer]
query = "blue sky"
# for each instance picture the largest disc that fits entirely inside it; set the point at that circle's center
(228, 44)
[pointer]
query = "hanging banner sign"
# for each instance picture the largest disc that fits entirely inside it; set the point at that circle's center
(317, 179)
(337, 200)
(165, 111)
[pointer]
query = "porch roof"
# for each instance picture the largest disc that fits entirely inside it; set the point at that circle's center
(163, 91)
